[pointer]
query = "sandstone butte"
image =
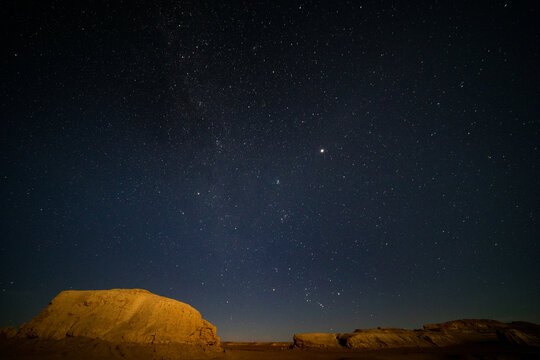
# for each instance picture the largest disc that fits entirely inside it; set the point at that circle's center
(120, 316)
(452, 333)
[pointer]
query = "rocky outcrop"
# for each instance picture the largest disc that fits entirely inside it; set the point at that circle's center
(518, 337)
(459, 332)
(121, 316)
(385, 338)
(317, 340)
(520, 333)
(8, 332)
(373, 339)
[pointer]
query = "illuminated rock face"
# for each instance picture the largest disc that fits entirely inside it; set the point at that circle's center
(372, 339)
(459, 332)
(121, 315)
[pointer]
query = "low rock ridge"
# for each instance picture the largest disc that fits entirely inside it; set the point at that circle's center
(119, 316)
(459, 332)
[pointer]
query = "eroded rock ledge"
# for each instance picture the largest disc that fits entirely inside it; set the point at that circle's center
(459, 332)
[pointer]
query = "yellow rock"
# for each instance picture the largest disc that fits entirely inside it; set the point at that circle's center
(121, 315)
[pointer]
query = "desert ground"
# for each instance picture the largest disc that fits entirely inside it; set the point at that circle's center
(264, 351)
(90, 349)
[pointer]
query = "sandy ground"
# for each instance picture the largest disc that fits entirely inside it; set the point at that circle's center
(239, 351)
(87, 349)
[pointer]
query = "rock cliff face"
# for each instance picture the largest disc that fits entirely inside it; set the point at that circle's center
(459, 332)
(120, 316)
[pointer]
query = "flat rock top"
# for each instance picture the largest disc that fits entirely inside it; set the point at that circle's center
(121, 315)
(467, 324)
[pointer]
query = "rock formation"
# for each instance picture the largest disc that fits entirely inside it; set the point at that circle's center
(467, 325)
(120, 316)
(459, 332)
(8, 332)
(520, 333)
(317, 340)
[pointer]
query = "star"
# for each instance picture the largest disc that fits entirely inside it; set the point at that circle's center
(174, 167)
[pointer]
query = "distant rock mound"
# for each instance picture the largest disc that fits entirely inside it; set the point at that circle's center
(372, 339)
(459, 332)
(120, 316)
(317, 340)
(8, 332)
(520, 333)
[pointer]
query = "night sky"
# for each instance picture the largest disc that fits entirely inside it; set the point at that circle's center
(280, 166)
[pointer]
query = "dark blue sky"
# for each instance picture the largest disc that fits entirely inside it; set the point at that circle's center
(281, 166)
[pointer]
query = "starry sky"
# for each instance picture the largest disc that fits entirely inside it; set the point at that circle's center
(281, 166)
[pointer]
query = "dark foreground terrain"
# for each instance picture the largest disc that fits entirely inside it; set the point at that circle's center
(264, 351)
(91, 349)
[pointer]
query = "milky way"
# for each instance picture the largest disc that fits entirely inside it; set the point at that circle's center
(281, 166)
